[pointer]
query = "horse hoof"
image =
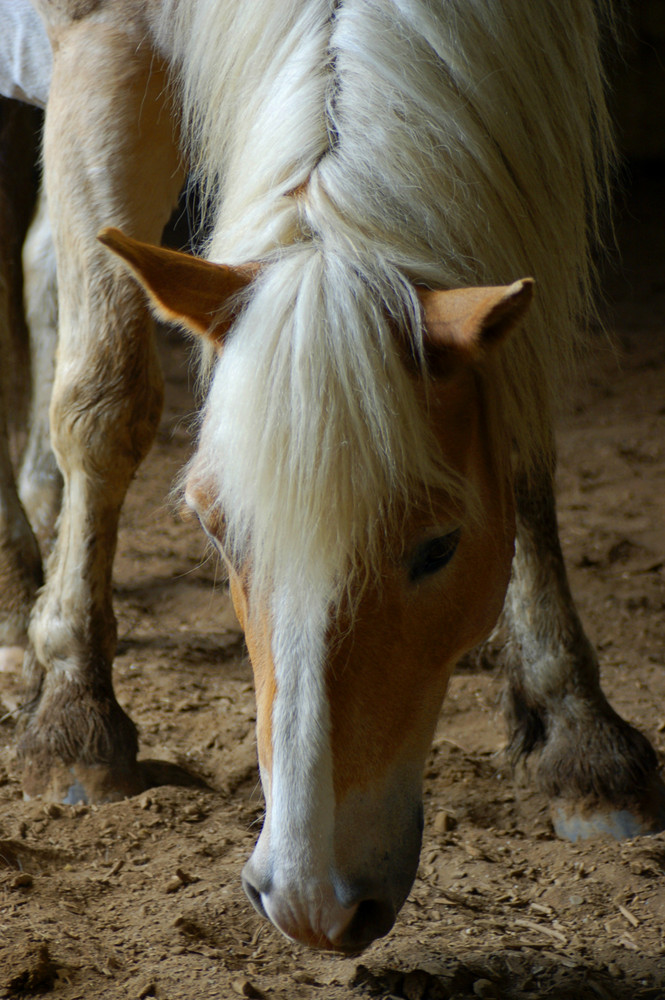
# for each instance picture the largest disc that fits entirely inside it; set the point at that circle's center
(91, 784)
(95, 784)
(640, 815)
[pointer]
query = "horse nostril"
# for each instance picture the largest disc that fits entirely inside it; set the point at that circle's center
(253, 895)
(372, 919)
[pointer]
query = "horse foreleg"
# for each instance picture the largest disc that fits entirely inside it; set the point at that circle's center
(20, 561)
(601, 773)
(110, 159)
(40, 482)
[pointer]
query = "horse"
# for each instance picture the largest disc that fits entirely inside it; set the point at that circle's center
(375, 458)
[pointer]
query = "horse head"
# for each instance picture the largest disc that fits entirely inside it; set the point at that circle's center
(348, 691)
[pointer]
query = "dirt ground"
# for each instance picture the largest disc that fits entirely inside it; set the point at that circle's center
(143, 898)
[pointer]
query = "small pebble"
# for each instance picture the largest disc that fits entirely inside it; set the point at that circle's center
(146, 988)
(303, 977)
(444, 822)
(193, 813)
(245, 988)
(22, 881)
(185, 877)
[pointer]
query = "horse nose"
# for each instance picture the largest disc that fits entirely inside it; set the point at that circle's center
(325, 921)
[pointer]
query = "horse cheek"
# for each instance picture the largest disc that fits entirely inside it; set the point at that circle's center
(257, 637)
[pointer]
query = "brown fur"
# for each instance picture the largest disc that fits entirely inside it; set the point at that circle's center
(418, 641)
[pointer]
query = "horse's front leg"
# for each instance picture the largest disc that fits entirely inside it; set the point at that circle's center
(601, 773)
(20, 560)
(110, 159)
(40, 482)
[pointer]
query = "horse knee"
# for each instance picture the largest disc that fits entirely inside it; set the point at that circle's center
(106, 406)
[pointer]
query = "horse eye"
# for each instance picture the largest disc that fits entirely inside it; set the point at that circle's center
(433, 555)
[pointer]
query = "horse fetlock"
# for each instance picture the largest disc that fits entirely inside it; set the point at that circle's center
(79, 745)
(591, 751)
(525, 723)
(74, 645)
(600, 773)
(545, 679)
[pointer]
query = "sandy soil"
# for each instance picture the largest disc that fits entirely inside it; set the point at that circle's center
(143, 898)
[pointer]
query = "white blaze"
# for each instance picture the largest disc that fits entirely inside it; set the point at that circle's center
(299, 828)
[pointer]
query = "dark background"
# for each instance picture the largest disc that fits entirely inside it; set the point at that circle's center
(638, 82)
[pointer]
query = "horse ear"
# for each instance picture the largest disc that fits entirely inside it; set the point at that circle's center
(463, 325)
(182, 289)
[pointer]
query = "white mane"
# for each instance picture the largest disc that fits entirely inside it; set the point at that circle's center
(449, 143)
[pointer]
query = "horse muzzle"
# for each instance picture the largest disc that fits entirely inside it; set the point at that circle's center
(309, 899)
(332, 920)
